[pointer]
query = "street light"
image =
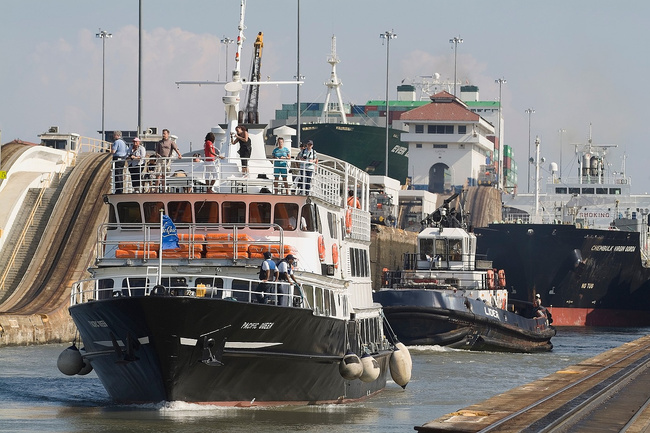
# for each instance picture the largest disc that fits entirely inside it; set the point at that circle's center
(103, 34)
(387, 35)
(500, 180)
(529, 111)
(562, 131)
(455, 40)
(227, 41)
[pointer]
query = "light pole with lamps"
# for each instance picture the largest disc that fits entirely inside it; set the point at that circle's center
(455, 40)
(227, 41)
(529, 111)
(561, 131)
(103, 34)
(387, 35)
(500, 180)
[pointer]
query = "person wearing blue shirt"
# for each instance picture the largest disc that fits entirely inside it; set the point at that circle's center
(119, 150)
(282, 155)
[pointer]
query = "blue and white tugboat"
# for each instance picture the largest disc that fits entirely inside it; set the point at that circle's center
(193, 323)
(445, 296)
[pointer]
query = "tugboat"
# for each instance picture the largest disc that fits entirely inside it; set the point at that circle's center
(175, 309)
(446, 296)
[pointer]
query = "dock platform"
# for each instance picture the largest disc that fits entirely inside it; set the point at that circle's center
(609, 392)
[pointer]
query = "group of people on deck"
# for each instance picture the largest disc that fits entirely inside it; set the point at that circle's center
(139, 166)
(278, 294)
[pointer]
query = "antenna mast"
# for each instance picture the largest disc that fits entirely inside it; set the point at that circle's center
(333, 84)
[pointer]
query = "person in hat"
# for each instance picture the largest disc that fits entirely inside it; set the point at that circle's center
(136, 159)
(268, 274)
(285, 274)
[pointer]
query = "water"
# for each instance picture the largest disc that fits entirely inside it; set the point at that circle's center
(34, 396)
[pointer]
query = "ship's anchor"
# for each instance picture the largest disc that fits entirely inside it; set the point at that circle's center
(126, 355)
(212, 350)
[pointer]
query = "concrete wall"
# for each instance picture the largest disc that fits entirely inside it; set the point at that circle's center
(387, 249)
(25, 330)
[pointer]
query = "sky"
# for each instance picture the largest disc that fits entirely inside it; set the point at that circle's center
(576, 63)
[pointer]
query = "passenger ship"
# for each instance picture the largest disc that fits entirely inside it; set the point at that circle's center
(191, 323)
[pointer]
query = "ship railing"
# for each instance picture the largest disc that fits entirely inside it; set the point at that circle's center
(454, 261)
(328, 180)
(591, 180)
(197, 286)
(232, 241)
(435, 280)
(95, 145)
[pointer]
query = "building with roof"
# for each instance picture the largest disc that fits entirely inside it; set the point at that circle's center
(448, 143)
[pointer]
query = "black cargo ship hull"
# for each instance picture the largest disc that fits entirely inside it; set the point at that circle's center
(432, 317)
(201, 350)
(587, 277)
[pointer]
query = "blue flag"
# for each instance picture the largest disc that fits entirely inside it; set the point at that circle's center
(169, 234)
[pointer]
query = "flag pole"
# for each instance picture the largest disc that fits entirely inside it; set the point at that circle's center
(160, 250)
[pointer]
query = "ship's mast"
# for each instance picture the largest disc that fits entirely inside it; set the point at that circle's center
(334, 84)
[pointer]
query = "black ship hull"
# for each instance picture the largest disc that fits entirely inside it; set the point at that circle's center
(433, 317)
(587, 277)
(150, 349)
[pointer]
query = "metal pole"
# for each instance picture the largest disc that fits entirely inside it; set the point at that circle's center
(103, 34)
(562, 131)
(500, 180)
(140, 69)
(455, 40)
(298, 76)
(529, 111)
(388, 35)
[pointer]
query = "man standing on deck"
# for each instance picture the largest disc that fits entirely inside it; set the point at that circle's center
(119, 151)
(164, 150)
(285, 273)
(268, 272)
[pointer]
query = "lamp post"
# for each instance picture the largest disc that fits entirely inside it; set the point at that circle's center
(227, 41)
(561, 131)
(500, 180)
(387, 35)
(103, 34)
(455, 40)
(529, 111)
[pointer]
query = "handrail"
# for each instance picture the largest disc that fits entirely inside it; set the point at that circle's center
(23, 234)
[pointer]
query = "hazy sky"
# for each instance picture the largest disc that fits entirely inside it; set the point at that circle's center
(575, 62)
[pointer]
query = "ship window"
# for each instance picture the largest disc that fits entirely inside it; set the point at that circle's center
(615, 191)
(112, 219)
(105, 288)
(129, 212)
(587, 190)
(286, 215)
(560, 190)
(233, 211)
(426, 248)
(441, 249)
(419, 129)
(327, 304)
(133, 286)
(318, 299)
(601, 190)
(455, 250)
(462, 129)
(574, 190)
(308, 218)
(418, 145)
(331, 222)
(206, 212)
(259, 213)
(309, 294)
(152, 211)
(212, 286)
(241, 290)
(180, 211)
(440, 146)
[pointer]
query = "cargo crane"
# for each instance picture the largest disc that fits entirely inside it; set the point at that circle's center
(251, 115)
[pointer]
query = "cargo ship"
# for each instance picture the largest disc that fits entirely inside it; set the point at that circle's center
(582, 245)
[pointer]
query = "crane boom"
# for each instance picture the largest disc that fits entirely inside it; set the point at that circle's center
(251, 114)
